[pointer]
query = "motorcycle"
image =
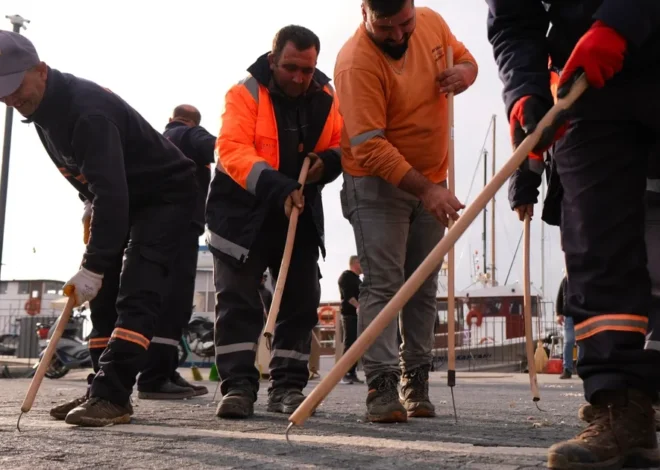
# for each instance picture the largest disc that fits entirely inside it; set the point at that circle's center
(197, 338)
(71, 352)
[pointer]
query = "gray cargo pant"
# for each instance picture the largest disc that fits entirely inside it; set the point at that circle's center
(393, 234)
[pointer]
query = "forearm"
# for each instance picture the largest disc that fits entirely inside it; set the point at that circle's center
(415, 183)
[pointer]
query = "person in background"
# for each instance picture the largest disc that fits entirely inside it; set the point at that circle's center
(392, 81)
(160, 379)
(569, 332)
(283, 111)
(349, 292)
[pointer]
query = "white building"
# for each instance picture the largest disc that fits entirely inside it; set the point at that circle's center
(16, 295)
(20, 296)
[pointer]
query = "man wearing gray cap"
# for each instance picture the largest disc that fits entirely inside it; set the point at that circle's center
(142, 194)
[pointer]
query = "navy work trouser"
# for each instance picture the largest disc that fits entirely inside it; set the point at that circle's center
(239, 311)
(602, 163)
(126, 310)
(163, 353)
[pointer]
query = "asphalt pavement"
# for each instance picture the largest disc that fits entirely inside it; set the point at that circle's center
(499, 428)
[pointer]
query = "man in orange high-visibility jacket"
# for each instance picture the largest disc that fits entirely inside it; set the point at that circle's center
(282, 112)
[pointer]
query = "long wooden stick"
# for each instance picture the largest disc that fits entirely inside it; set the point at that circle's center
(391, 310)
(284, 266)
(451, 322)
(47, 357)
(527, 310)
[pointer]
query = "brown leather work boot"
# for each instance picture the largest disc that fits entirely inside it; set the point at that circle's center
(415, 393)
(621, 433)
(383, 405)
(59, 412)
(97, 412)
(586, 414)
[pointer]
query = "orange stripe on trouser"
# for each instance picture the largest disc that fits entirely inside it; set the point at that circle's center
(611, 322)
(130, 336)
(98, 343)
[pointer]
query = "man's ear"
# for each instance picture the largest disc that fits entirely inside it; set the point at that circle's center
(271, 60)
(169, 120)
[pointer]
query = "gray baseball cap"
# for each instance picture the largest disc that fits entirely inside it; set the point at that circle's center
(17, 56)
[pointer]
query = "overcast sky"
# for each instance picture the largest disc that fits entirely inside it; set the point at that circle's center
(157, 55)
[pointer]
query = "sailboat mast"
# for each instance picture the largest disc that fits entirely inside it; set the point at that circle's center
(485, 213)
(492, 211)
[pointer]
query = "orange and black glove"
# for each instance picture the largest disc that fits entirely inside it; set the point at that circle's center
(526, 114)
(599, 53)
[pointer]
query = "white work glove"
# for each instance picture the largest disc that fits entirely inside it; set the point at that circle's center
(84, 285)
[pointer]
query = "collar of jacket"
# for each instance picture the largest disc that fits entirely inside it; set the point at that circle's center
(54, 103)
(173, 124)
(260, 70)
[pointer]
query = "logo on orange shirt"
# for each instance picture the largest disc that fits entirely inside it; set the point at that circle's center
(438, 53)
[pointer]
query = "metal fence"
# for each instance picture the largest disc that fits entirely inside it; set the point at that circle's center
(22, 337)
(498, 344)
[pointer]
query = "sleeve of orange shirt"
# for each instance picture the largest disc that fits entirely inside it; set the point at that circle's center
(363, 108)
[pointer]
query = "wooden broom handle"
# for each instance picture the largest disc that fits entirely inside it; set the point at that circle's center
(527, 311)
(414, 282)
(286, 258)
(47, 357)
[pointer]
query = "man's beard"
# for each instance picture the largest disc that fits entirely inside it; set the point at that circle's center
(395, 51)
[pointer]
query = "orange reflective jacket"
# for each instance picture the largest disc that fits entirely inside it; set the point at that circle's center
(248, 140)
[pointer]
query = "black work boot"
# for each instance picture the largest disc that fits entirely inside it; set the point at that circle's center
(566, 374)
(620, 434)
(586, 414)
(59, 412)
(415, 393)
(97, 412)
(237, 403)
(383, 405)
(181, 382)
(354, 378)
(284, 400)
(168, 390)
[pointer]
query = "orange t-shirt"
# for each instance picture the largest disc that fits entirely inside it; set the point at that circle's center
(394, 116)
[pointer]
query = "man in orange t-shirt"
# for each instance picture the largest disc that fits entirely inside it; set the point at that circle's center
(392, 80)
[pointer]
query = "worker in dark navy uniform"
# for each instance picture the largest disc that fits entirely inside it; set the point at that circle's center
(160, 379)
(141, 191)
(601, 161)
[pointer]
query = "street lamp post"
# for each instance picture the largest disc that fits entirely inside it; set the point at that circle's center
(18, 22)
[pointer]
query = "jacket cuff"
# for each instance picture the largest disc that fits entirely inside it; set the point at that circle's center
(331, 165)
(274, 186)
(523, 188)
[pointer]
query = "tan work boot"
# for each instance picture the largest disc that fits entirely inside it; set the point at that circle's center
(620, 433)
(415, 393)
(586, 414)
